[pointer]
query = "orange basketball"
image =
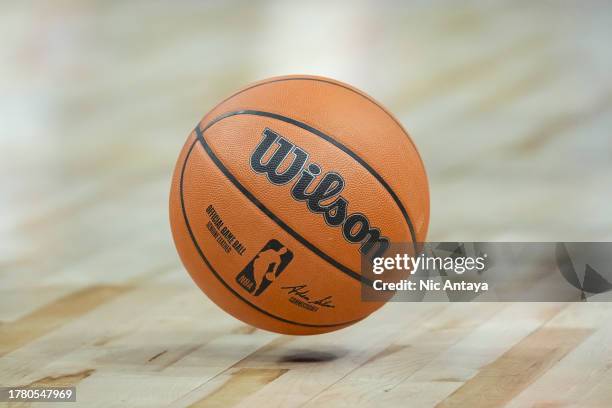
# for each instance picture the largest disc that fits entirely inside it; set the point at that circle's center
(280, 191)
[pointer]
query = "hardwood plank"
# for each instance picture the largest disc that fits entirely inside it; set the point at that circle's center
(242, 383)
(499, 382)
(580, 377)
(17, 334)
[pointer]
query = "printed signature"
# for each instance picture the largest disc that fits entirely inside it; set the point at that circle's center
(302, 292)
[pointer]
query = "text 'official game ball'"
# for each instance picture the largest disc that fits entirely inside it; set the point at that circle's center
(282, 188)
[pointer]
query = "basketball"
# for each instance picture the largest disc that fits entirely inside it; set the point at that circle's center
(282, 189)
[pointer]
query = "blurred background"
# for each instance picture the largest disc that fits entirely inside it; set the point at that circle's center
(509, 102)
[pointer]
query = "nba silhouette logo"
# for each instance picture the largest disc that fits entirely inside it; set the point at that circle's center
(265, 267)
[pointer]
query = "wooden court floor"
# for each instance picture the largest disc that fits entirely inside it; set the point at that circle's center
(510, 104)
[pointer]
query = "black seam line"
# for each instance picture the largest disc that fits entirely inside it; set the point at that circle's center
(273, 216)
(207, 262)
(330, 82)
(329, 139)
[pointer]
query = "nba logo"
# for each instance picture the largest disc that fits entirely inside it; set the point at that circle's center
(265, 267)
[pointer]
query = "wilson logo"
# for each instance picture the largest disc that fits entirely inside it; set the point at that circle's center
(282, 161)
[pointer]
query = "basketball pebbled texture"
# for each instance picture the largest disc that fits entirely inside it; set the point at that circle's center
(280, 190)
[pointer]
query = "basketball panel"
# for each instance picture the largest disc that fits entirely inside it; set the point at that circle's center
(308, 292)
(355, 119)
